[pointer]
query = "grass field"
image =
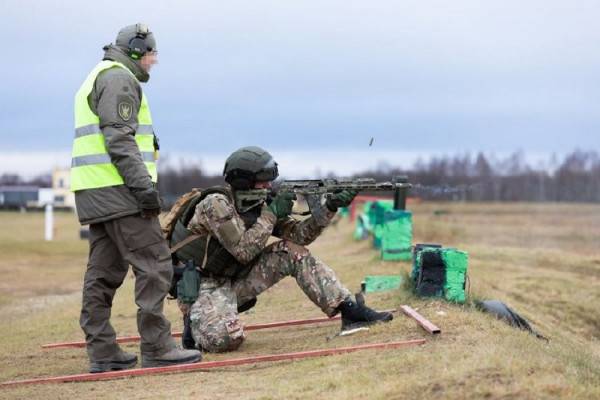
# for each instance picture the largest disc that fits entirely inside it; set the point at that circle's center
(542, 260)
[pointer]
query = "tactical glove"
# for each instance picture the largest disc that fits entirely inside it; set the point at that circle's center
(340, 199)
(319, 212)
(149, 202)
(281, 205)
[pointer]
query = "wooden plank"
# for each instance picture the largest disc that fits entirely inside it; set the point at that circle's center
(205, 365)
(255, 327)
(421, 320)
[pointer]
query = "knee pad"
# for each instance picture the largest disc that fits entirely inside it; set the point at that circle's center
(228, 336)
(222, 343)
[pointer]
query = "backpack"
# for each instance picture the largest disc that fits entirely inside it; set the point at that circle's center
(167, 222)
(167, 225)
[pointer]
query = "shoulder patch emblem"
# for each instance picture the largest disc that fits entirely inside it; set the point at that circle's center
(219, 208)
(125, 109)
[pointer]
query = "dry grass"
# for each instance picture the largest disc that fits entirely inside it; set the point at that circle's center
(542, 260)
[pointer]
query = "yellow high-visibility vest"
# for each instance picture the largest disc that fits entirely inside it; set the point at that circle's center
(91, 166)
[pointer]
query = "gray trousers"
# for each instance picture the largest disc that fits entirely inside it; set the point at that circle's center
(114, 245)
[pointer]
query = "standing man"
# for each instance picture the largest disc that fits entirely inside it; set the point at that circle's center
(113, 175)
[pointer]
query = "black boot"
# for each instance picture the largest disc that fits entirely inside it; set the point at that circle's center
(357, 314)
(187, 340)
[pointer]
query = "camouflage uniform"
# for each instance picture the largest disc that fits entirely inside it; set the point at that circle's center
(214, 317)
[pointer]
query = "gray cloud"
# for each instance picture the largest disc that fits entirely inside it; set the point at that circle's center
(418, 76)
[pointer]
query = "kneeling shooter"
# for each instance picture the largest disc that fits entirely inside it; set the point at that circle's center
(224, 233)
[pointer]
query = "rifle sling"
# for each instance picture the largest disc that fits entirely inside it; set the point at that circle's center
(185, 241)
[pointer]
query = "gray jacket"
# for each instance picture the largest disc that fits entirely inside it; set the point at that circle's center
(112, 87)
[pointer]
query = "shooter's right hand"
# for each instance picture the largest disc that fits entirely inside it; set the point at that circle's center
(341, 199)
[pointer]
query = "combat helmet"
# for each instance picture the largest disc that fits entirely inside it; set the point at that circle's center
(248, 165)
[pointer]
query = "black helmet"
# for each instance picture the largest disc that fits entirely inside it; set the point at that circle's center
(248, 165)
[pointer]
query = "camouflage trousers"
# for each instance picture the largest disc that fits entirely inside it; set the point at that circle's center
(214, 317)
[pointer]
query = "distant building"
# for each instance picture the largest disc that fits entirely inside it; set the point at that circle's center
(27, 196)
(61, 186)
(18, 196)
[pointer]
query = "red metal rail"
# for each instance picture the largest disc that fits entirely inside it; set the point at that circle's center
(211, 364)
(421, 320)
(255, 327)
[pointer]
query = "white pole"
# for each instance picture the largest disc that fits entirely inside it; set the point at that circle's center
(49, 222)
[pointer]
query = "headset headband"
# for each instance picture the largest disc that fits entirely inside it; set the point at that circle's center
(141, 29)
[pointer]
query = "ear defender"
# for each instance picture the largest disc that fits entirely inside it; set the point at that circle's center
(137, 44)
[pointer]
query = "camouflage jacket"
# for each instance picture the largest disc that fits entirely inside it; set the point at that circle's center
(217, 216)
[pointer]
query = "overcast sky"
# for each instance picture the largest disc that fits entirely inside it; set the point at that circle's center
(314, 81)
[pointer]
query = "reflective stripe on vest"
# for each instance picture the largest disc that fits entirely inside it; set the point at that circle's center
(91, 166)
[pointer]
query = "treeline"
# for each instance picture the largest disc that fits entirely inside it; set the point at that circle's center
(575, 178)
(41, 181)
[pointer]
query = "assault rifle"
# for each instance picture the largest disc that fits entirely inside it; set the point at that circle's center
(314, 190)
